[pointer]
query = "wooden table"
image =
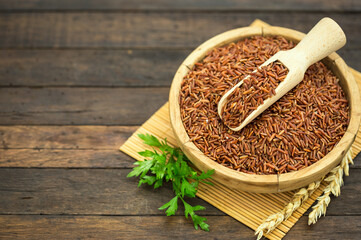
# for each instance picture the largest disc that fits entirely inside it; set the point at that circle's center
(76, 80)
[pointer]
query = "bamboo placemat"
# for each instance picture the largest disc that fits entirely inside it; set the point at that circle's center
(249, 208)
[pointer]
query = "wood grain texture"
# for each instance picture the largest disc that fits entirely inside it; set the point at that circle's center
(109, 192)
(189, 5)
(161, 227)
(351, 58)
(102, 68)
(147, 30)
(64, 158)
(79, 106)
(82, 191)
(120, 227)
(64, 137)
(121, 68)
(85, 146)
(330, 227)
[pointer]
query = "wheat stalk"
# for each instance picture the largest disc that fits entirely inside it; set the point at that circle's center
(276, 219)
(335, 181)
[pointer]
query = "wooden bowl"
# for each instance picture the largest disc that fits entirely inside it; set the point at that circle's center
(264, 183)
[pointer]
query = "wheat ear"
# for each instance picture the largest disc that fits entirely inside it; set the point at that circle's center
(335, 179)
(276, 219)
(335, 182)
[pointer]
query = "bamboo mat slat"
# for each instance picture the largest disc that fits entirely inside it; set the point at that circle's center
(249, 208)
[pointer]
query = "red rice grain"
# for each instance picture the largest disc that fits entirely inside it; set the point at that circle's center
(295, 132)
(252, 93)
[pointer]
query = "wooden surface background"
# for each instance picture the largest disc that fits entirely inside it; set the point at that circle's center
(76, 80)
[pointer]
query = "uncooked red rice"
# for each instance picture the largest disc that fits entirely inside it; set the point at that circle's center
(295, 132)
(252, 93)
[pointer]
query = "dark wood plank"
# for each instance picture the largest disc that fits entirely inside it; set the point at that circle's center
(101, 67)
(105, 227)
(105, 106)
(149, 29)
(49, 158)
(357, 161)
(351, 57)
(64, 137)
(329, 227)
(108, 191)
(82, 191)
(200, 5)
(161, 227)
(90, 67)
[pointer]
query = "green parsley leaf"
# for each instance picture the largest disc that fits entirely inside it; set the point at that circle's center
(205, 175)
(146, 153)
(142, 169)
(147, 179)
(187, 189)
(158, 183)
(201, 221)
(172, 206)
(171, 165)
(159, 168)
(197, 220)
(150, 140)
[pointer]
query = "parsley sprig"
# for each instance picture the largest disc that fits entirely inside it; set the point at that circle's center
(171, 165)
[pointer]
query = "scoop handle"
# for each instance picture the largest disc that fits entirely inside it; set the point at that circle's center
(323, 39)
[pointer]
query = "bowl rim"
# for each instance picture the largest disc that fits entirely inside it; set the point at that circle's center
(254, 182)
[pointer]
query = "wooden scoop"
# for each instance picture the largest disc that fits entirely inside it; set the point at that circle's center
(323, 39)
